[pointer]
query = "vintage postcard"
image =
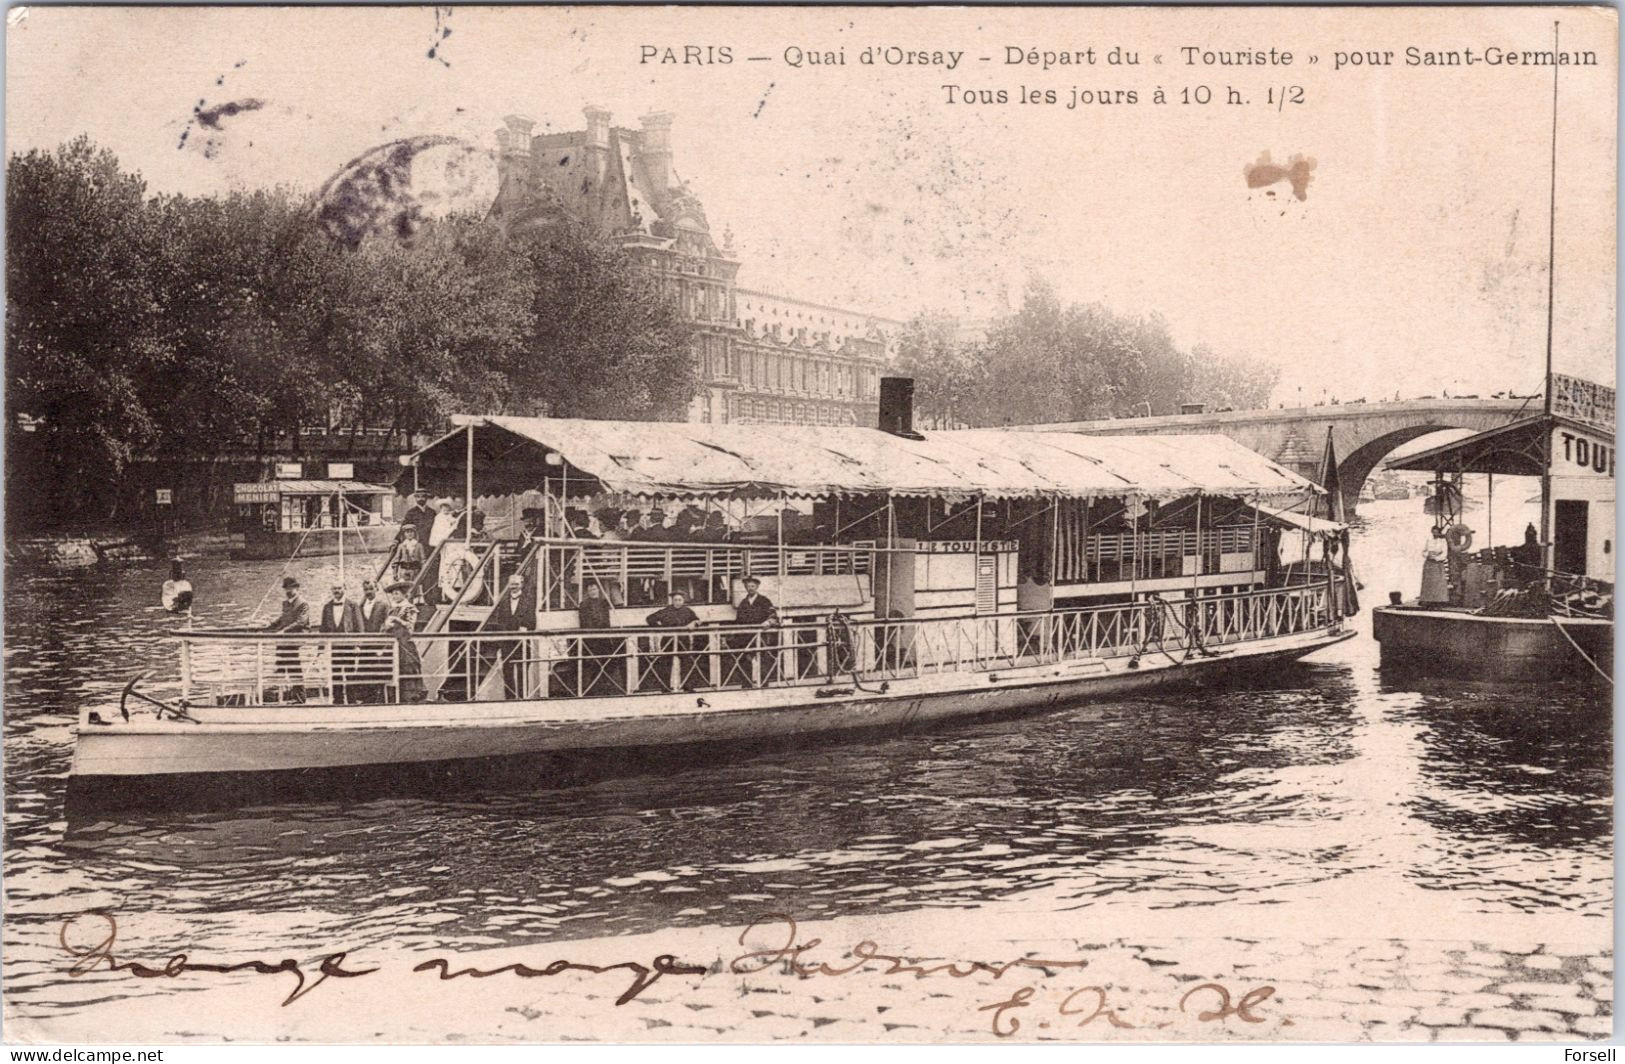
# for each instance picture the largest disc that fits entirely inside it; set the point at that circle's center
(809, 524)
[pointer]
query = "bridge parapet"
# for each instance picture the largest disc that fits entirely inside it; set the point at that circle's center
(1363, 433)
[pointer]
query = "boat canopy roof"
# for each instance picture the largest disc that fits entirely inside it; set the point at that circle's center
(1315, 526)
(267, 490)
(677, 459)
(1514, 449)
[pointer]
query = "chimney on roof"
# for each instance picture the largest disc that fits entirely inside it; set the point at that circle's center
(597, 126)
(657, 150)
(897, 407)
(514, 136)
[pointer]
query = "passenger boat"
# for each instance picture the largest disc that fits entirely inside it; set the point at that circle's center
(917, 578)
(1543, 611)
(306, 518)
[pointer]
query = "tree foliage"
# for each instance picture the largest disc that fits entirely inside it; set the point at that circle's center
(182, 326)
(1049, 361)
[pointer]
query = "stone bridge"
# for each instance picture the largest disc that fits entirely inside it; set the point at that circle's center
(1363, 433)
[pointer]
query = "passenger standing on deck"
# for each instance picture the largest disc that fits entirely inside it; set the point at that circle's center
(401, 623)
(755, 651)
(675, 651)
(1435, 576)
(419, 518)
(373, 613)
(600, 657)
(530, 519)
(508, 615)
(340, 617)
(295, 617)
(1526, 557)
(445, 523)
(409, 556)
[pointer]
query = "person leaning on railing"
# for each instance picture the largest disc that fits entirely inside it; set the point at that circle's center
(674, 651)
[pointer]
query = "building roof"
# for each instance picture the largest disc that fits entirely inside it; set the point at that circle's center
(667, 459)
(1515, 449)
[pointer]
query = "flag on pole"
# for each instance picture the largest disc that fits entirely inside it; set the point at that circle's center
(1338, 543)
(1330, 481)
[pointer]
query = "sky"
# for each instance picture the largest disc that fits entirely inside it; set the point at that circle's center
(1415, 263)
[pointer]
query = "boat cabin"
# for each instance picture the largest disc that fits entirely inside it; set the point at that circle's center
(1574, 548)
(859, 521)
(276, 518)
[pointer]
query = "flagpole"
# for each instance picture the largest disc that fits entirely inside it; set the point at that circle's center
(1546, 559)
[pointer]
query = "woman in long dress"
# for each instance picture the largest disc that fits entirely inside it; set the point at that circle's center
(1435, 572)
(402, 622)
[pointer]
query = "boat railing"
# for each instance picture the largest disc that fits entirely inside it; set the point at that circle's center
(644, 574)
(264, 668)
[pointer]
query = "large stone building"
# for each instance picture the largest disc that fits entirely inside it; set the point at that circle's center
(762, 357)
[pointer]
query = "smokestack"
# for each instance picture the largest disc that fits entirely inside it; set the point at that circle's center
(897, 407)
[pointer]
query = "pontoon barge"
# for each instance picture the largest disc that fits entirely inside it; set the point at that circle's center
(1543, 612)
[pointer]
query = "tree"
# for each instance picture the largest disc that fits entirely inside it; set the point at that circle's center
(603, 340)
(1235, 383)
(950, 375)
(81, 333)
(176, 328)
(1049, 361)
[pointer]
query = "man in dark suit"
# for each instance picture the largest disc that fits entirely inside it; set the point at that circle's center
(419, 516)
(374, 661)
(508, 615)
(339, 618)
(294, 617)
(676, 652)
(754, 656)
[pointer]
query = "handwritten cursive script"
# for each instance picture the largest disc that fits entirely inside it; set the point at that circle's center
(862, 955)
(1087, 1004)
(90, 958)
(643, 976)
(99, 956)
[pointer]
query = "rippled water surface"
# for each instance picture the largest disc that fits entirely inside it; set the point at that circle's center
(1499, 795)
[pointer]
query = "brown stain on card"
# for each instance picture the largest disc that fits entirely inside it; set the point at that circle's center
(1297, 172)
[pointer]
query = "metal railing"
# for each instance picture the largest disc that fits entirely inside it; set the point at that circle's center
(261, 668)
(644, 574)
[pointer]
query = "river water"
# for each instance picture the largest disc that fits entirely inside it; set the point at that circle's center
(1497, 799)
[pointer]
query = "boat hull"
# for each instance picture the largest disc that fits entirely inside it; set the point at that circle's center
(1454, 643)
(117, 761)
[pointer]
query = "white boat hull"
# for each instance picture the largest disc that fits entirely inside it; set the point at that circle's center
(233, 740)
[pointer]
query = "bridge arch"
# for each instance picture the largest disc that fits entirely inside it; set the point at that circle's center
(1354, 468)
(1363, 433)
